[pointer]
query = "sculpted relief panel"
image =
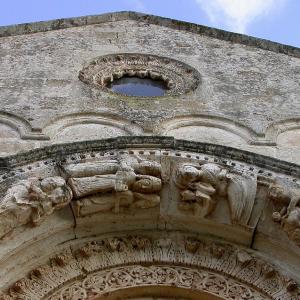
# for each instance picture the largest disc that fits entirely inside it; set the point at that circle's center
(130, 182)
(200, 184)
(126, 181)
(31, 201)
(286, 202)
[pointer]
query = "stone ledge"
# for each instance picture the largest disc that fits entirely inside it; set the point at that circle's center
(43, 26)
(57, 152)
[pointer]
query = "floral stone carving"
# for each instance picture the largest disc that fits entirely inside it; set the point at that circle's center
(122, 262)
(115, 279)
(178, 77)
(31, 201)
(200, 184)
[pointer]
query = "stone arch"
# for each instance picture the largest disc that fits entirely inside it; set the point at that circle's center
(152, 292)
(219, 128)
(115, 263)
(67, 247)
(88, 126)
(21, 126)
(285, 132)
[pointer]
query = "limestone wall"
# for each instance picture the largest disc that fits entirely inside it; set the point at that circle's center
(248, 97)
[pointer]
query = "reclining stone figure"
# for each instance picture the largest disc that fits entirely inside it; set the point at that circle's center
(114, 184)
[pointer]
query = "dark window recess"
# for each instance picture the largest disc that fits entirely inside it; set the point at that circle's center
(135, 86)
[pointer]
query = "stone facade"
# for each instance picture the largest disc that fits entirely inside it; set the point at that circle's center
(107, 196)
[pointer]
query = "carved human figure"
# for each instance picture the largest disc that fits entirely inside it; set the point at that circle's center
(200, 184)
(31, 200)
(286, 202)
(127, 182)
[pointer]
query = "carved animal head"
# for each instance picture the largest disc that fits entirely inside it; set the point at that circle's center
(279, 194)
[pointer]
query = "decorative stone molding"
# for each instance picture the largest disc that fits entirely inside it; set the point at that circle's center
(178, 77)
(249, 136)
(22, 126)
(121, 262)
(281, 127)
(66, 121)
(141, 276)
(77, 151)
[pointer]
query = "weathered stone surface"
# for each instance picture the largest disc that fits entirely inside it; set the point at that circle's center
(246, 89)
(178, 196)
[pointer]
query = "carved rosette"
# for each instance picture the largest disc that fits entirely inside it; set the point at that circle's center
(178, 77)
(116, 263)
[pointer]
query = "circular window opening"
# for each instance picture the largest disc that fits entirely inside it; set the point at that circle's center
(135, 86)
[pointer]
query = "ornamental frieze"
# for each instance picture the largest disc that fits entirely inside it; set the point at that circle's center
(185, 185)
(121, 262)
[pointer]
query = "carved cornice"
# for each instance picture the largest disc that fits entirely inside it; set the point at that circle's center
(115, 263)
(221, 153)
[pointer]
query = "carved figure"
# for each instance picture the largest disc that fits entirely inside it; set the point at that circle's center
(286, 202)
(112, 185)
(31, 200)
(200, 185)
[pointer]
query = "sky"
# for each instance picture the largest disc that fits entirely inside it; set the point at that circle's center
(276, 20)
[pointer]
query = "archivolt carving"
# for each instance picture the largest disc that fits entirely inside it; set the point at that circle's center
(22, 126)
(122, 262)
(140, 276)
(200, 184)
(126, 181)
(179, 77)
